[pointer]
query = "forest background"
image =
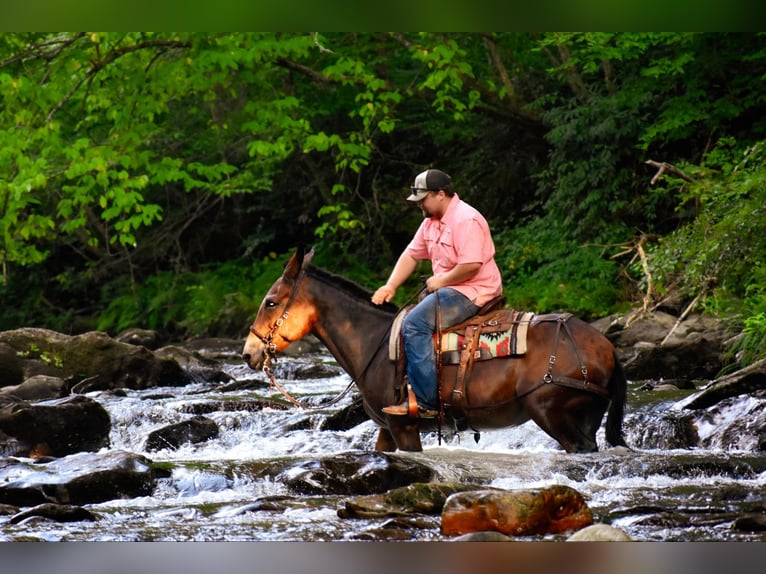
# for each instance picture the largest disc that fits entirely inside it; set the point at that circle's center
(160, 180)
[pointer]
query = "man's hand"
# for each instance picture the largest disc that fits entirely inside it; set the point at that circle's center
(384, 294)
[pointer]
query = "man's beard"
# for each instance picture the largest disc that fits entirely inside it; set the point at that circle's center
(426, 214)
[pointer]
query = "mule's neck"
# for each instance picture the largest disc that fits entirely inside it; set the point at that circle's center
(352, 330)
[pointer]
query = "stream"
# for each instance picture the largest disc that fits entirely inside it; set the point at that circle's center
(655, 492)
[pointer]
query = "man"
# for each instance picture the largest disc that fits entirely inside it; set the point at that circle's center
(455, 237)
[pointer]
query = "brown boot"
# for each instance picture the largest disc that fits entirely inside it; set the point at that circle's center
(409, 406)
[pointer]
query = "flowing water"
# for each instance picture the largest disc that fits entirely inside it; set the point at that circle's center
(218, 492)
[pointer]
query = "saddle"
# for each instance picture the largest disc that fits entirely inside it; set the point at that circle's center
(492, 333)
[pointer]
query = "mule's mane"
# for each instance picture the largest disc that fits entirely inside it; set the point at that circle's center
(349, 288)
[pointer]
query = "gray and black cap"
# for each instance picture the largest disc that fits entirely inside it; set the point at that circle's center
(429, 180)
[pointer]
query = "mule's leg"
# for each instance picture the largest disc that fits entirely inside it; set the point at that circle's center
(573, 423)
(406, 435)
(385, 442)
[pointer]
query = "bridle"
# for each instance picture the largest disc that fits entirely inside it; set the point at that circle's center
(270, 353)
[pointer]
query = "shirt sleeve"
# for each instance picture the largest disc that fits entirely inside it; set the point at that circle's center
(417, 248)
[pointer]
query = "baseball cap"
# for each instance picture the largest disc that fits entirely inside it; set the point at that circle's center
(429, 180)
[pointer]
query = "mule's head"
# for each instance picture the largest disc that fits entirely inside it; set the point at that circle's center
(285, 314)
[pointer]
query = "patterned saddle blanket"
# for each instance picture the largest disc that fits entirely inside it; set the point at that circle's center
(501, 333)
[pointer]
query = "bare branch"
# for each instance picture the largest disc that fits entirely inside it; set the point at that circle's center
(662, 167)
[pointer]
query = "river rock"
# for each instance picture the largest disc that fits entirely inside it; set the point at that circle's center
(747, 380)
(91, 361)
(57, 427)
(57, 512)
(599, 533)
(416, 498)
(345, 418)
(354, 473)
(196, 429)
(651, 346)
(516, 513)
(199, 367)
(148, 338)
(38, 388)
(78, 479)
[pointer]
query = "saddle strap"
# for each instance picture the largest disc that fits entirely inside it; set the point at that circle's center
(467, 357)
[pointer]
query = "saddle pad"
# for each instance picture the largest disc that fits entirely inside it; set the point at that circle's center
(492, 342)
(512, 340)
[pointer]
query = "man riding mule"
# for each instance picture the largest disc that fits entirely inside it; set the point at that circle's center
(565, 381)
(455, 237)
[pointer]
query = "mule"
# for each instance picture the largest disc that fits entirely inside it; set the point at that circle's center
(501, 392)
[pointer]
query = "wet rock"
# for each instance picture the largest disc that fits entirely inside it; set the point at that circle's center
(38, 388)
(748, 380)
(346, 418)
(195, 430)
(56, 512)
(752, 522)
(599, 533)
(354, 473)
(416, 498)
(55, 428)
(484, 536)
(84, 478)
(199, 368)
(141, 337)
(248, 405)
(88, 362)
(517, 513)
(651, 346)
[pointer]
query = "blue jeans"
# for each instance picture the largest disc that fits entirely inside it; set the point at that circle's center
(418, 329)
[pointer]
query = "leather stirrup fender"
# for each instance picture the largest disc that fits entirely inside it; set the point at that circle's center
(412, 403)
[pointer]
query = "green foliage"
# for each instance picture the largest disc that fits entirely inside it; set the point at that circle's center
(720, 249)
(219, 300)
(137, 164)
(544, 272)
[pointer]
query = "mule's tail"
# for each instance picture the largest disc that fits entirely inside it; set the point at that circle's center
(618, 387)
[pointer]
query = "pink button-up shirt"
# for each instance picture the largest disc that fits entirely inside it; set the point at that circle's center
(460, 236)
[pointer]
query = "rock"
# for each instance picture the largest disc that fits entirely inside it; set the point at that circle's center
(751, 378)
(91, 361)
(599, 533)
(484, 536)
(38, 388)
(248, 405)
(354, 473)
(346, 418)
(416, 498)
(197, 429)
(57, 512)
(78, 479)
(141, 337)
(56, 427)
(199, 367)
(517, 513)
(752, 522)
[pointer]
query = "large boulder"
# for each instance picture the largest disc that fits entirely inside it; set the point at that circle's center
(91, 361)
(53, 428)
(354, 473)
(657, 346)
(549, 510)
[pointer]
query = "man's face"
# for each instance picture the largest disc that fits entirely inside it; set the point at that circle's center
(429, 203)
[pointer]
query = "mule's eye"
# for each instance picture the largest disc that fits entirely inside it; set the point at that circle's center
(270, 304)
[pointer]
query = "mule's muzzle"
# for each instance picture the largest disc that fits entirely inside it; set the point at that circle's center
(254, 354)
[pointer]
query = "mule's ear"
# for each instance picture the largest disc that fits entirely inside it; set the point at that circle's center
(296, 262)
